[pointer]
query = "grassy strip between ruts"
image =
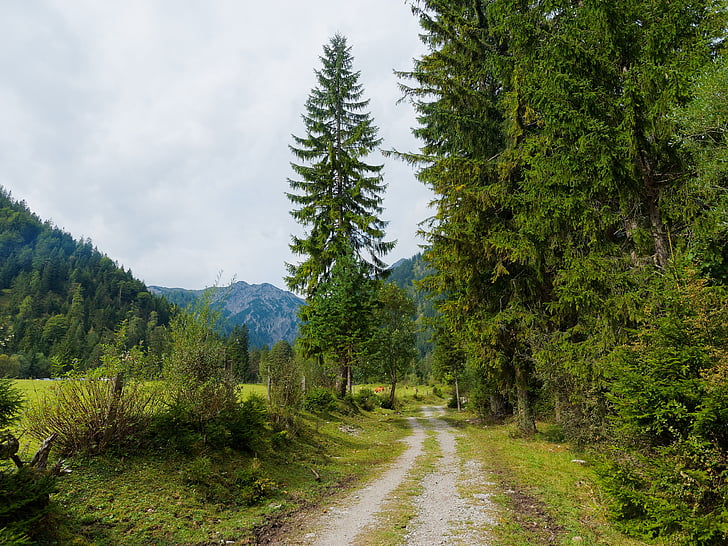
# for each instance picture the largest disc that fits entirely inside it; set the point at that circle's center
(548, 493)
(399, 510)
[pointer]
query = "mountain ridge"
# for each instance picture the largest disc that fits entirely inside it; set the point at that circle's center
(269, 313)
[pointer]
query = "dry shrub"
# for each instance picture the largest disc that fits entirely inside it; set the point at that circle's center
(90, 415)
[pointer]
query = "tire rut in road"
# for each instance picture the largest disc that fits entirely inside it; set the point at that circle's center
(348, 518)
(444, 515)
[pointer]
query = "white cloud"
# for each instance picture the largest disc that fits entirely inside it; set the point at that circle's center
(160, 129)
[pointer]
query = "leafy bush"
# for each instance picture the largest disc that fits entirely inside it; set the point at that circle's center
(216, 484)
(202, 405)
(320, 399)
(367, 400)
(284, 376)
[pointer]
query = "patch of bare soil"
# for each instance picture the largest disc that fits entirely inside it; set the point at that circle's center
(531, 514)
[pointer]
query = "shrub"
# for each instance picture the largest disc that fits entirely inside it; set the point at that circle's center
(320, 399)
(669, 393)
(216, 484)
(24, 500)
(11, 402)
(239, 426)
(91, 414)
(367, 400)
(246, 423)
(284, 377)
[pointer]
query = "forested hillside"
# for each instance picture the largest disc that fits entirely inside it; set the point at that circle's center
(61, 298)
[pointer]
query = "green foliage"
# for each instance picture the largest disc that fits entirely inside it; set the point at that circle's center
(237, 354)
(14, 538)
(368, 400)
(574, 177)
(201, 405)
(339, 197)
(219, 485)
(200, 387)
(703, 132)
(408, 275)
(11, 401)
(63, 298)
(391, 347)
(284, 376)
(338, 319)
(24, 501)
(92, 414)
(320, 399)
(669, 393)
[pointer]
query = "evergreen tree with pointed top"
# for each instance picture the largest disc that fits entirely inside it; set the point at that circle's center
(338, 194)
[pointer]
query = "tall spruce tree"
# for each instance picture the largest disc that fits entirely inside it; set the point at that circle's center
(338, 196)
(568, 212)
(560, 191)
(339, 203)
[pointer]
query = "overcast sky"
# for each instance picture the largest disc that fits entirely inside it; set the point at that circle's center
(160, 129)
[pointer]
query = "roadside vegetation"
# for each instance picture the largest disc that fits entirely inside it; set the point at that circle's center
(159, 494)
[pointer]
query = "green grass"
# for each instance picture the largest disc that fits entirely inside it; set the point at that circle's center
(130, 497)
(144, 497)
(107, 500)
(399, 510)
(547, 498)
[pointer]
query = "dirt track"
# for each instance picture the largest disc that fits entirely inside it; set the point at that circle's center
(444, 516)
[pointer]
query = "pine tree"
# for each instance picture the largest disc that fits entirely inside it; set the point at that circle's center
(392, 344)
(338, 319)
(338, 193)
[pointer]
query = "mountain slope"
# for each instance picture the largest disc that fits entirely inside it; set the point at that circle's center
(270, 314)
(406, 273)
(62, 299)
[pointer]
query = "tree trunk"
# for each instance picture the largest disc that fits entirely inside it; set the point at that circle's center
(343, 383)
(498, 406)
(524, 412)
(652, 202)
(457, 392)
(393, 377)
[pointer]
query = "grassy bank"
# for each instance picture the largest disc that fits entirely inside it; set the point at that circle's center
(217, 496)
(548, 493)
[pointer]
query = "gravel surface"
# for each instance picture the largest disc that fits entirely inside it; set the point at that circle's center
(443, 515)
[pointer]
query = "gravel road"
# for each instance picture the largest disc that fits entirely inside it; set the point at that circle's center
(444, 516)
